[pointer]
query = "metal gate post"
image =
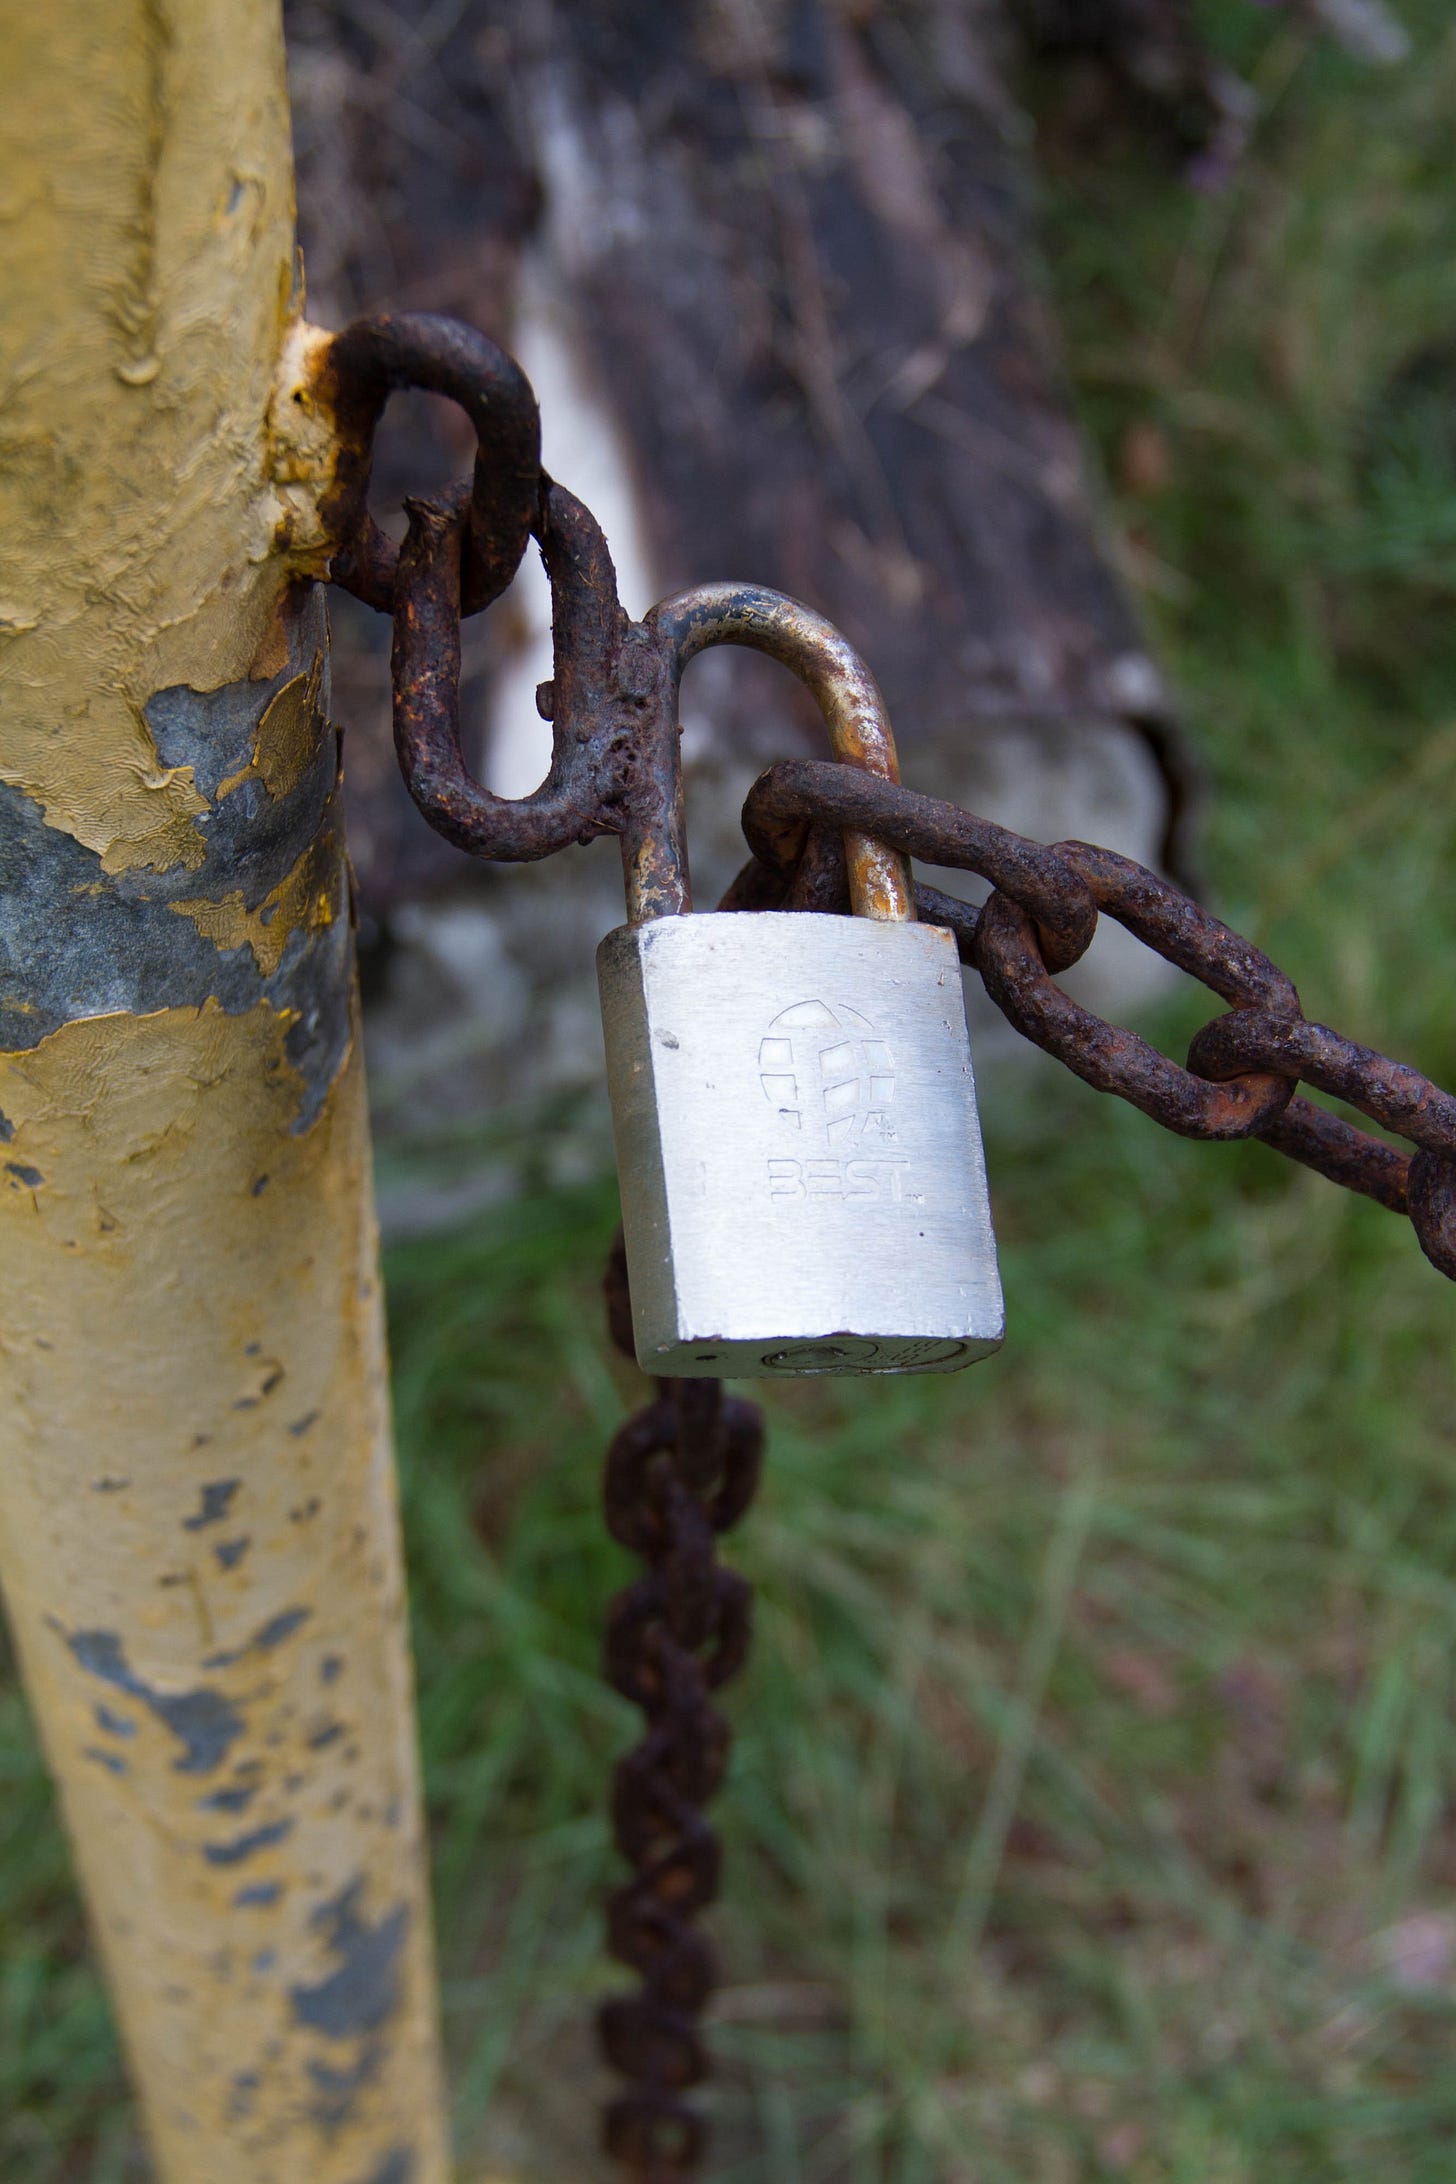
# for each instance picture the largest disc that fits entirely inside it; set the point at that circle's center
(198, 1538)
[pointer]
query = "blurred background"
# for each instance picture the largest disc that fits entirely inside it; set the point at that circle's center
(1093, 1809)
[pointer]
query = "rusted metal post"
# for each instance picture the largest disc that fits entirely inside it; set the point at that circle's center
(198, 1539)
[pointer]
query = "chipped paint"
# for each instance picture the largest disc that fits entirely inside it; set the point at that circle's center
(150, 1256)
(303, 448)
(258, 1895)
(237, 1800)
(262, 916)
(217, 1497)
(204, 1722)
(288, 735)
(245, 1846)
(198, 1534)
(306, 900)
(362, 1992)
(113, 351)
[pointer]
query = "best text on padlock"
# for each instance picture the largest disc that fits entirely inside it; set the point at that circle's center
(803, 1186)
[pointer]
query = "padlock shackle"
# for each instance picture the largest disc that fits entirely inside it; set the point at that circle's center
(846, 692)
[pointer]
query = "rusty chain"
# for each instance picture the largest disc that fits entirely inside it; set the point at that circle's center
(1243, 1066)
(679, 1473)
(684, 1468)
(615, 758)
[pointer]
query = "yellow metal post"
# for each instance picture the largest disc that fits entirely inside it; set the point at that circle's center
(198, 1539)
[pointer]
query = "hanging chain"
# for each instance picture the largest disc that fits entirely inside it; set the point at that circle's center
(679, 1472)
(684, 1469)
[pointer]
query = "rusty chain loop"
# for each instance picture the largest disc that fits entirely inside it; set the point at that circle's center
(684, 1468)
(614, 764)
(376, 357)
(679, 1473)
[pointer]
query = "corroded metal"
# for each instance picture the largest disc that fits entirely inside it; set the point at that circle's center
(360, 369)
(615, 769)
(679, 1473)
(848, 696)
(614, 766)
(1107, 1056)
(1242, 1069)
(784, 801)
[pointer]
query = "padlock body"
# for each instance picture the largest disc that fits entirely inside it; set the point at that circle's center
(803, 1185)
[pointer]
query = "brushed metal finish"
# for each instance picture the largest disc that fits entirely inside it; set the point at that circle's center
(803, 1186)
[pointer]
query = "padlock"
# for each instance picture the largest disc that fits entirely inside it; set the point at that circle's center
(802, 1177)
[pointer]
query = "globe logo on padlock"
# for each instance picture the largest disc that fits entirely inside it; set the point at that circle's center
(829, 1073)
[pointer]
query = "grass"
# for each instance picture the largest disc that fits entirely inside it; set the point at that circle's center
(1092, 1806)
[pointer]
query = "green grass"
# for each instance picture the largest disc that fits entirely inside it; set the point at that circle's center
(1094, 1780)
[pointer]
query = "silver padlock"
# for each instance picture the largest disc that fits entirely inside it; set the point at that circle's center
(803, 1184)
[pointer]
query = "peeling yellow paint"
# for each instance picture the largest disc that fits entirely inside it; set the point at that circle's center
(307, 901)
(198, 1539)
(199, 1458)
(147, 278)
(287, 736)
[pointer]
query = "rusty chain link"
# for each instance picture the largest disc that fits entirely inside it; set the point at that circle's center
(679, 1473)
(615, 761)
(1243, 1067)
(377, 357)
(685, 1468)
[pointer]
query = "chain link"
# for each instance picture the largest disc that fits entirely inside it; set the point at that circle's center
(612, 704)
(1243, 1067)
(679, 1473)
(685, 1468)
